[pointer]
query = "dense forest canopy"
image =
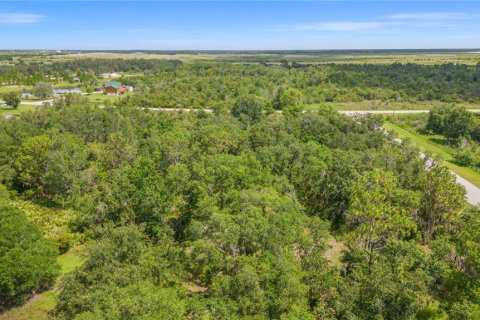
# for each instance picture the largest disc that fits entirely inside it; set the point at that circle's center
(247, 214)
(206, 84)
(241, 212)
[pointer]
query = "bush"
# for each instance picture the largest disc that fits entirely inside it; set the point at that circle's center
(452, 121)
(27, 261)
(12, 99)
(464, 158)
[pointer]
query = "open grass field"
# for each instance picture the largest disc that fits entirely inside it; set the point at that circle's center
(428, 144)
(134, 55)
(382, 105)
(313, 57)
(100, 98)
(5, 89)
(57, 85)
(39, 306)
(469, 58)
(4, 110)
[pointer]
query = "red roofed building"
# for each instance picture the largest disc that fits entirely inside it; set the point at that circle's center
(114, 88)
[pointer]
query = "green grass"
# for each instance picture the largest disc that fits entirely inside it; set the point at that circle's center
(426, 143)
(70, 260)
(5, 89)
(424, 58)
(42, 304)
(20, 88)
(37, 308)
(113, 55)
(381, 105)
(22, 108)
(100, 98)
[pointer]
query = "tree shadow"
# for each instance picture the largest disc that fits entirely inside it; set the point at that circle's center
(441, 141)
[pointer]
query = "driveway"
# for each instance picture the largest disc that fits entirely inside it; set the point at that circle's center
(35, 103)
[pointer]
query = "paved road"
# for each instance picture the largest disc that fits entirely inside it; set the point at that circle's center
(178, 110)
(473, 192)
(36, 103)
(354, 112)
(346, 112)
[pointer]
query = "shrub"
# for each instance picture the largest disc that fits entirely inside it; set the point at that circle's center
(27, 261)
(464, 158)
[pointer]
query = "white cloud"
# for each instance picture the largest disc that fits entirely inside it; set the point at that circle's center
(19, 18)
(409, 20)
(430, 16)
(339, 26)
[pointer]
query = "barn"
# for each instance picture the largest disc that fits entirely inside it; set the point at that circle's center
(114, 88)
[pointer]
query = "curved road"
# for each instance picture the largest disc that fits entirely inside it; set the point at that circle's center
(473, 192)
(354, 112)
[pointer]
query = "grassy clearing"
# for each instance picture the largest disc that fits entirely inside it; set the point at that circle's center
(381, 105)
(40, 305)
(354, 58)
(424, 59)
(134, 55)
(100, 98)
(22, 108)
(5, 89)
(428, 144)
(427, 58)
(21, 88)
(36, 308)
(334, 252)
(72, 259)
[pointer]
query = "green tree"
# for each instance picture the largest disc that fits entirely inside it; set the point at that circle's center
(12, 99)
(31, 163)
(125, 277)
(250, 109)
(27, 261)
(452, 121)
(289, 98)
(397, 287)
(442, 202)
(458, 123)
(66, 173)
(376, 212)
(43, 90)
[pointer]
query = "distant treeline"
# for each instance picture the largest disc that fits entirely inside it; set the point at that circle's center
(174, 83)
(332, 51)
(201, 84)
(29, 73)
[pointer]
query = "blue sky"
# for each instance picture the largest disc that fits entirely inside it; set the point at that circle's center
(271, 25)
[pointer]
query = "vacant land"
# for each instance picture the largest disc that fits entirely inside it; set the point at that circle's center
(5, 89)
(310, 57)
(134, 55)
(316, 58)
(382, 105)
(100, 98)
